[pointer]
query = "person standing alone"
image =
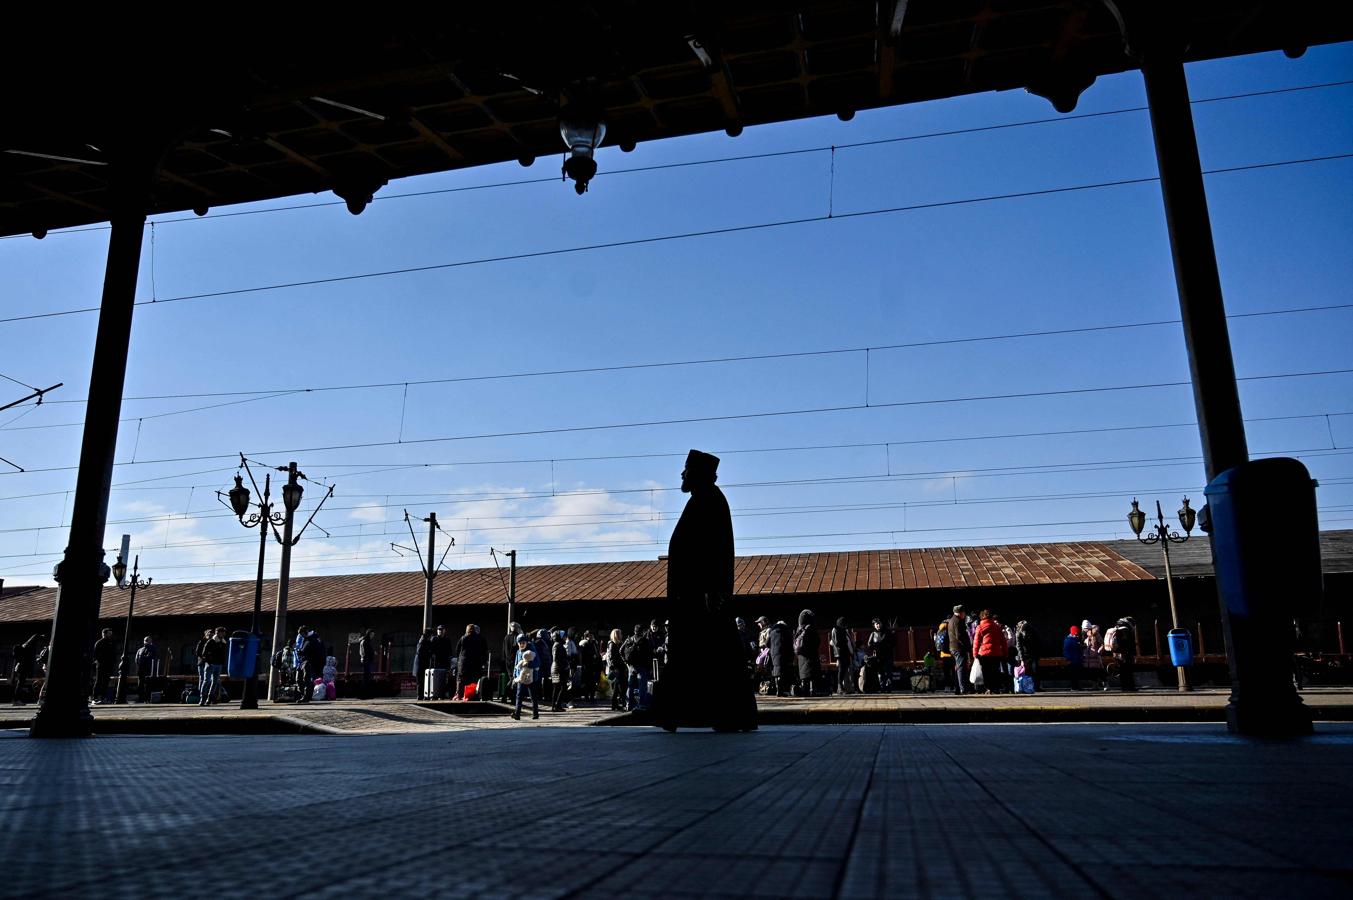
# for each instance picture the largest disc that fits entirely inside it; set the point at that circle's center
(106, 652)
(705, 665)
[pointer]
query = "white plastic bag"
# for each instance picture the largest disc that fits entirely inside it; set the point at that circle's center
(975, 676)
(320, 692)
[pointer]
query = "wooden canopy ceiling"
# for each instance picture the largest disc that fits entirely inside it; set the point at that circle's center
(260, 110)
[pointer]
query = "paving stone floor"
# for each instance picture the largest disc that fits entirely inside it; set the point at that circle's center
(814, 811)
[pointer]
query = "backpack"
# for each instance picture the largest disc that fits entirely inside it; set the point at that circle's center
(1111, 639)
(798, 642)
(942, 641)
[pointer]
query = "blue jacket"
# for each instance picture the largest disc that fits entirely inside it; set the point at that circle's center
(1072, 650)
(534, 664)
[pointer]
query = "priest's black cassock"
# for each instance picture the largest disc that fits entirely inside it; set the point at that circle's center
(705, 681)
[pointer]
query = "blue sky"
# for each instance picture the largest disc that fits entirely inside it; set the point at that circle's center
(1059, 261)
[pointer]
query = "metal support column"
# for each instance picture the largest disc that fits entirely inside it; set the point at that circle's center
(431, 572)
(279, 621)
(511, 589)
(1215, 394)
(1263, 699)
(64, 709)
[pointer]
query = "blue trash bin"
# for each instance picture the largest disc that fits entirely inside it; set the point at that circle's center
(243, 655)
(1181, 647)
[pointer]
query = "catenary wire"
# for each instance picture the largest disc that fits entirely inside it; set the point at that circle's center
(656, 239)
(589, 370)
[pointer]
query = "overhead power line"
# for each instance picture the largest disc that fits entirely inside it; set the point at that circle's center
(143, 484)
(641, 241)
(268, 393)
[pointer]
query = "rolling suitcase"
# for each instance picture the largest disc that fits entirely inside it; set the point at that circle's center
(482, 691)
(434, 683)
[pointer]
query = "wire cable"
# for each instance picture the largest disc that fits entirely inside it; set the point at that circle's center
(656, 239)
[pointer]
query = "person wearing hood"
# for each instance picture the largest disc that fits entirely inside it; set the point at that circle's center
(1125, 648)
(780, 643)
(704, 672)
(1074, 654)
(807, 651)
(422, 661)
(509, 657)
(842, 645)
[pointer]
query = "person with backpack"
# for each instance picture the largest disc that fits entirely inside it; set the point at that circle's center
(807, 651)
(214, 653)
(946, 659)
(198, 656)
(1122, 641)
(147, 656)
(842, 645)
(990, 646)
(313, 655)
(637, 654)
(1093, 655)
(1074, 654)
(960, 648)
(526, 676)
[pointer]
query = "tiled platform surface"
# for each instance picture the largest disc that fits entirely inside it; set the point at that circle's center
(405, 716)
(826, 811)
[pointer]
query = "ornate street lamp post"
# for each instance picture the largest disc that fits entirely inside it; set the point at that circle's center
(265, 517)
(1160, 533)
(119, 573)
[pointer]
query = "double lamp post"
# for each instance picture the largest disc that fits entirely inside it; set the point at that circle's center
(119, 576)
(264, 519)
(1160, 533)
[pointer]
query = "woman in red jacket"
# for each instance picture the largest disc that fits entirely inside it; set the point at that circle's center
(990, 646)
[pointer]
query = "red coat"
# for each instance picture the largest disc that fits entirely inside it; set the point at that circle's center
(990, 639)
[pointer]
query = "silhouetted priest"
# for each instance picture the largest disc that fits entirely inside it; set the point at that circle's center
(705, 682)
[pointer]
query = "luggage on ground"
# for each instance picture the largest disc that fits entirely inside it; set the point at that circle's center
(434, 683)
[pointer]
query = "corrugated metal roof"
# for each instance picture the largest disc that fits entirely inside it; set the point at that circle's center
(798, 573)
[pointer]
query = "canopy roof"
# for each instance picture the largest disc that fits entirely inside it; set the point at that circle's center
(253, 108)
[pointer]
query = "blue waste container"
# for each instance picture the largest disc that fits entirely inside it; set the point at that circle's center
(1181, 647)
(243, 654)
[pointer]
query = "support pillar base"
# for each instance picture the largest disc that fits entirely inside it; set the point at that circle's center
(49, 723)
(1269, 717)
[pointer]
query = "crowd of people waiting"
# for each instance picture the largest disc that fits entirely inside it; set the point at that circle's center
(972, 654)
